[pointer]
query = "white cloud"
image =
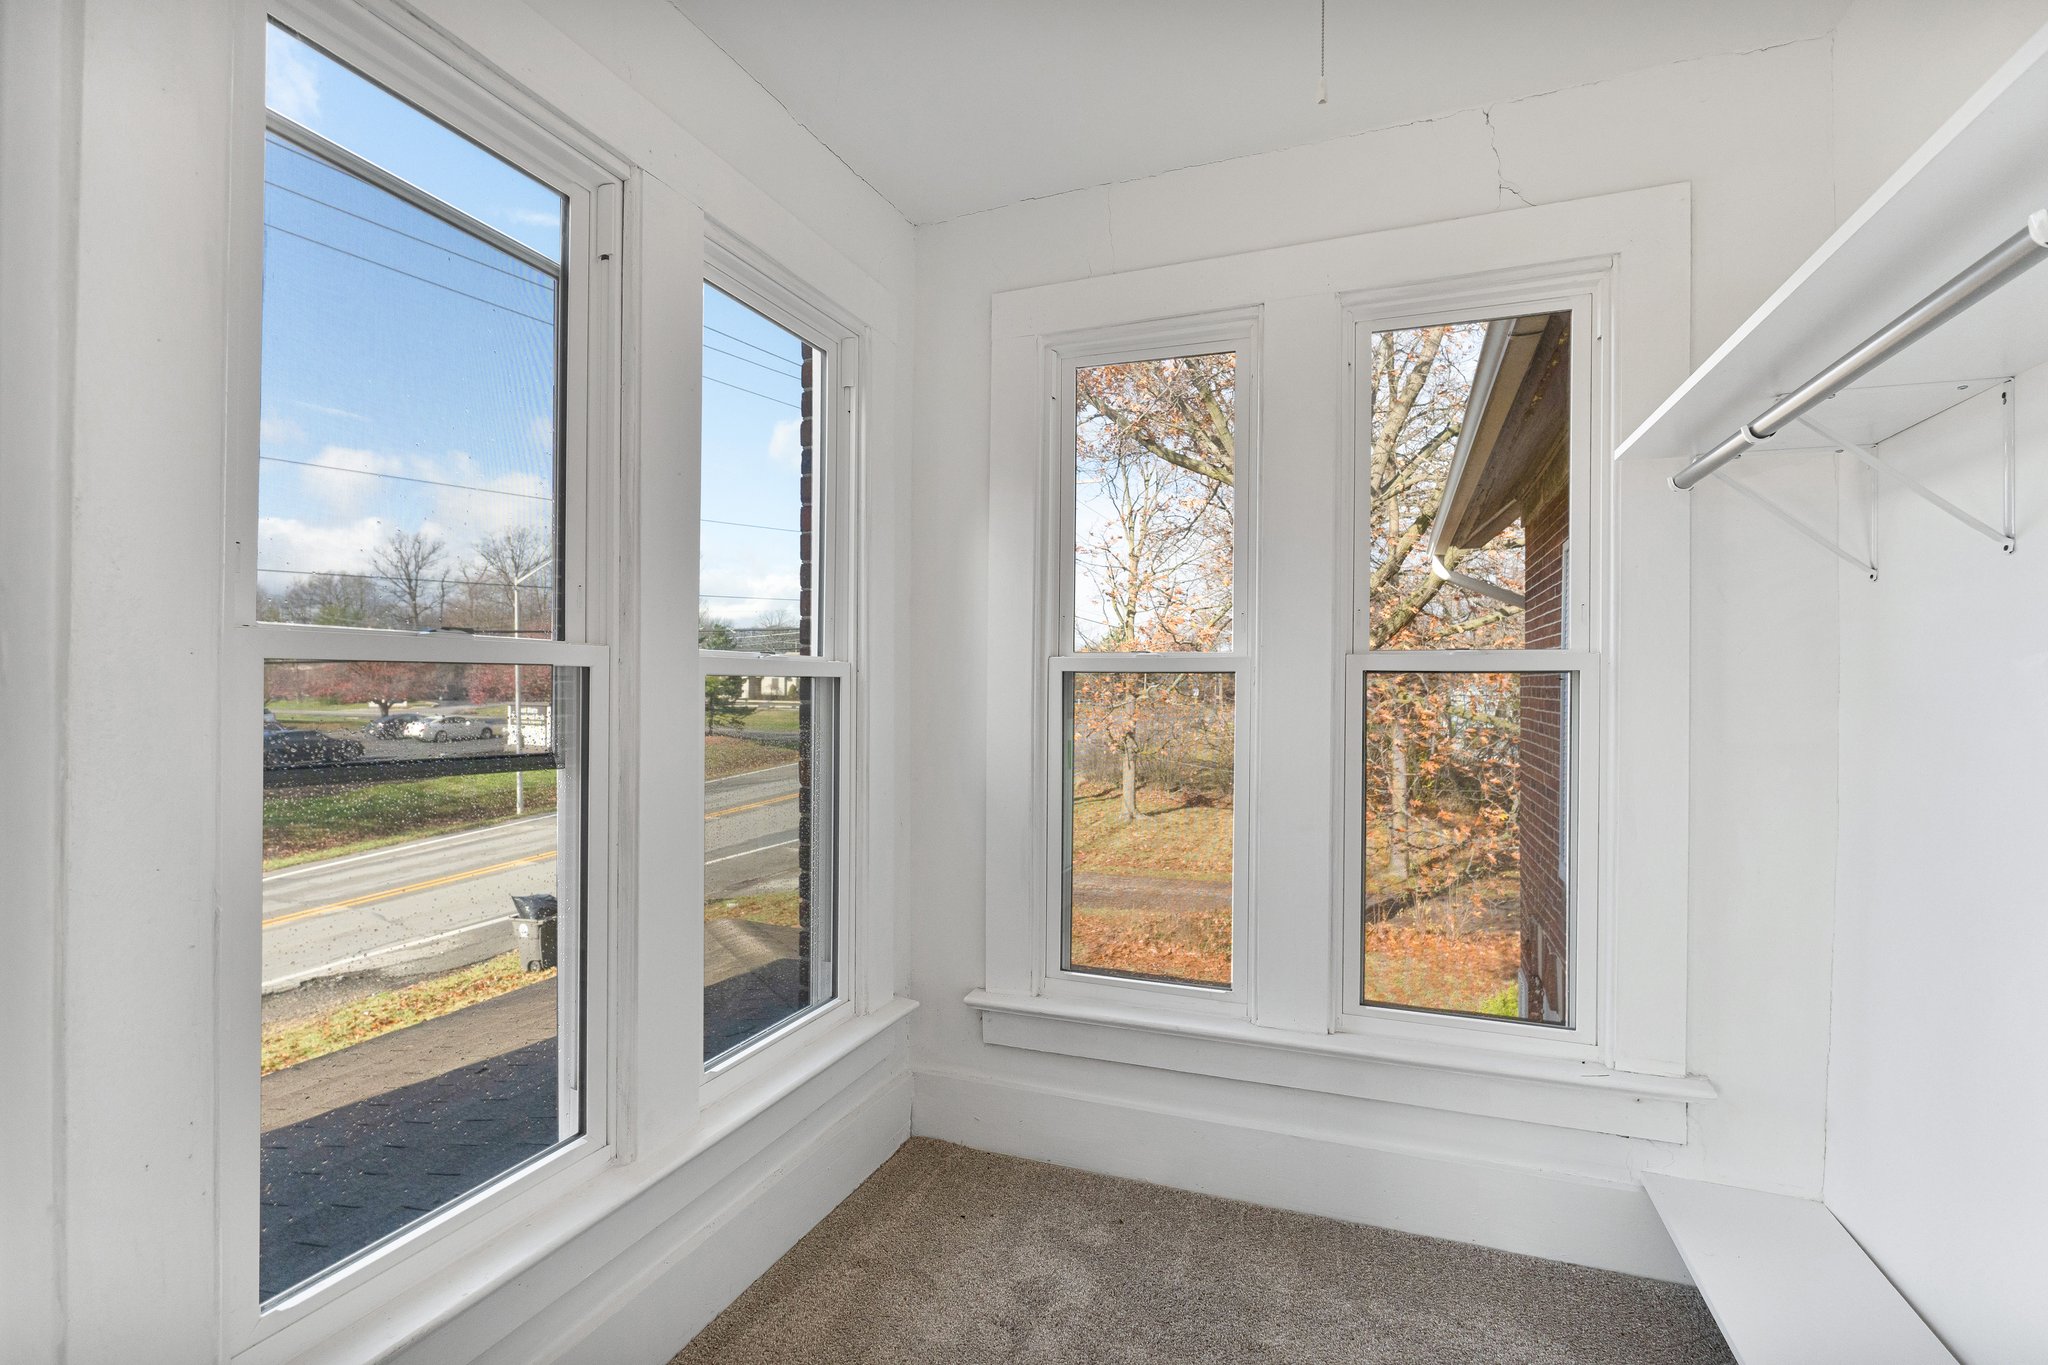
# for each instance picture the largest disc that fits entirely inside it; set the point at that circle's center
(542, 430)
(533, 217)
(291, 86)
(340, 477)
(331, 412)
(281, 429)
(784, 447)
(302, 547)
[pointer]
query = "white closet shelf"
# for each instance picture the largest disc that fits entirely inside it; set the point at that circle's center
(1973, 184)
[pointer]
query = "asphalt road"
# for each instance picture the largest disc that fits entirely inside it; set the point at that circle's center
(441, 903)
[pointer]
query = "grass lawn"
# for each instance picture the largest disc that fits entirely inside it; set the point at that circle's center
(303, 825)
(775, 907)
(1430, 969)
(728, 756)
(1191, 945)
(1171, 838)
(767, 716)
(388, 1011)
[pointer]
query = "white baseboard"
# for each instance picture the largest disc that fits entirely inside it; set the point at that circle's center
(635, 1287)
(1610, 1225)
(670, 1291)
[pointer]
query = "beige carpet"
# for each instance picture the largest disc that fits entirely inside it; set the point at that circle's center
(957, 1256)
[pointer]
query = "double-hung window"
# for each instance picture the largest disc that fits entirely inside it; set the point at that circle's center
(1153, 447)
(417, 914)
(1328, 745)
(774, 632)
(1472, 691)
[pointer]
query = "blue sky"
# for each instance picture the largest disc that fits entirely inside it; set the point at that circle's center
(409, 367)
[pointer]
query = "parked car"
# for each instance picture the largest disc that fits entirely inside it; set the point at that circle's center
(435, 729)
(288, 748)
(393, 726)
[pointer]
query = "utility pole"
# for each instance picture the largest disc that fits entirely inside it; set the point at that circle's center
(518, 711)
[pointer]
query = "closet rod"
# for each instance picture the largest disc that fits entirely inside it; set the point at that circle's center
(2005, 262)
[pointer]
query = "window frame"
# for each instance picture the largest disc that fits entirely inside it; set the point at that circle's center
(1237, 331)
(730, 266)
(1631, 251)
(590, 388)
(1583, 293)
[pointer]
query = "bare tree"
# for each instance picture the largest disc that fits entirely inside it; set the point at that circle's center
(513, 561)
(407, 561)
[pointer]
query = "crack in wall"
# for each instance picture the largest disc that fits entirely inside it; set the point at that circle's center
(1503, 186)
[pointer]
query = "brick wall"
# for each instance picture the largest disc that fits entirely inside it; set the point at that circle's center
(1542, 822)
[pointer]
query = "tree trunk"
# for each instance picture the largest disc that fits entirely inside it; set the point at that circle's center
(1130, 806)
(1397, 798)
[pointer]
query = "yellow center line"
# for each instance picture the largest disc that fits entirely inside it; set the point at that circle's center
(752, 805)
(408, 890)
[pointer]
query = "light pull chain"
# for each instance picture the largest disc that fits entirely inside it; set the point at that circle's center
(1323, 57)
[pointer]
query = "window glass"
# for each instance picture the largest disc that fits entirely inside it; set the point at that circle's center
(1155, 471)
(760, 552)
(305, 85)
(1467, 834)
(420, 829)
(408, 451)
(1151, 825)
(768, 853)
(1469, 472)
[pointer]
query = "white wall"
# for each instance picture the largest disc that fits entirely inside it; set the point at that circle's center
(1936, 1105)
(1751, 133)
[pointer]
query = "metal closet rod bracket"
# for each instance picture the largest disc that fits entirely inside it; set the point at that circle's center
(2004, 263)
(2004, 539)
(1866, 567)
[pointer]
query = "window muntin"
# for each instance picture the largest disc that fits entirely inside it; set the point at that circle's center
(410, 468)
(1469, 704)
(1467, 837)
(1155, 471)
(770, 853)
(422, 895)
(1469, 469)
(759, 588)
(1150, 825)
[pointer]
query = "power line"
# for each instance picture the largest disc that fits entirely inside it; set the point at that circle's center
(409, 236)
(488, 303)
(751, 525)
(408, 478)
(756, 392)
(748, 360)
(747, 597)
(751, 345)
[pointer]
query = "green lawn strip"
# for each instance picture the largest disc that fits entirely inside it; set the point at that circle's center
(388, 1011)
(306, 827)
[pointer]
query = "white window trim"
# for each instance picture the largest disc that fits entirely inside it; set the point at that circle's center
(838, 483)
(1583, 291)
(417, 64)
(1056, 573)
(1633, 1078)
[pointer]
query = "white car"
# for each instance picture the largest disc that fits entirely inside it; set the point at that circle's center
(435, 729)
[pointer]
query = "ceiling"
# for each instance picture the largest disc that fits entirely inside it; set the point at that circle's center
(950, 106)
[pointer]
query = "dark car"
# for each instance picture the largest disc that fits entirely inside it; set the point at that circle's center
(393, 725)
(288, 748)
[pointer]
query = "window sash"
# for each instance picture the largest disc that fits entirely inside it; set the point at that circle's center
(1209, 335)
(835, 591)
(589, 290)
